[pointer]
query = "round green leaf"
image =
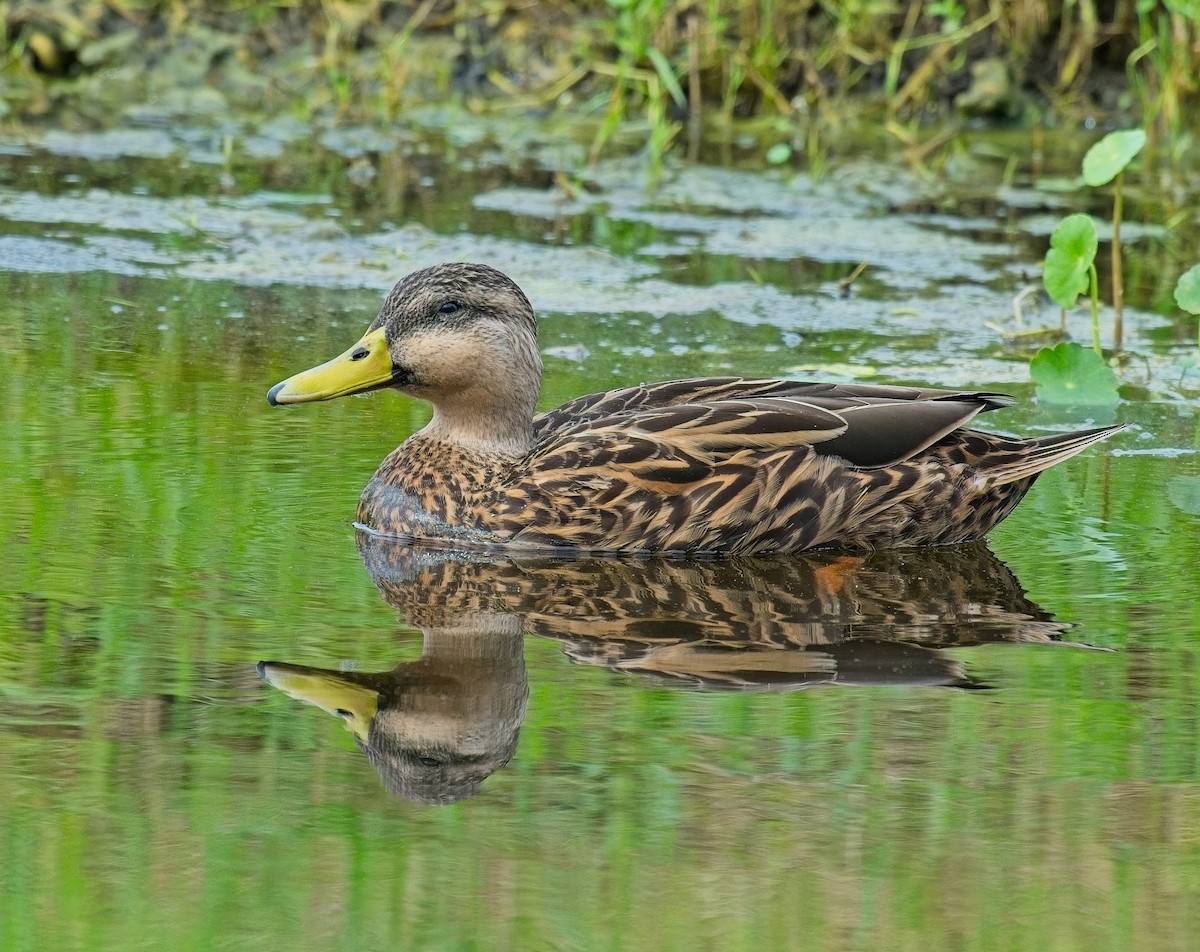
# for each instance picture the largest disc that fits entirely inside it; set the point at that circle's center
(1073, 374)
(1108, 157)
(1187, 290)
(1072, 251)
(779, 153)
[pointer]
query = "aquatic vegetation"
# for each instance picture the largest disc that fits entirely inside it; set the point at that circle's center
(631, 31)
(1104, 162)
(1187, 290)
(1187, 296)
(1161, 71)
(657, 67)
(1070, 268)
(1070, 373)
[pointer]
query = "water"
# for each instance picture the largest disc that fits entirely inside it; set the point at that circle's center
(987, 747)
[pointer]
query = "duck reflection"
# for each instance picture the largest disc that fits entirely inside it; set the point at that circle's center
(435, 728)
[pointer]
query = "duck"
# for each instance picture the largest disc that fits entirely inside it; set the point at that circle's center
(706, 466)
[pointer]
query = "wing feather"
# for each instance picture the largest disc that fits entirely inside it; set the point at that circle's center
(884, 432)
(716, 389)
(734, 425)
(868, 426)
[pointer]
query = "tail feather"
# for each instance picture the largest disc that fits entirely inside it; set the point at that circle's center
(1042, 453)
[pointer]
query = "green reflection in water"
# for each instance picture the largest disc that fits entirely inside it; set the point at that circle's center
(163, 530)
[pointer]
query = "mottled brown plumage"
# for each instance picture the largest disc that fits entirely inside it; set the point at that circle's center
(706, 465)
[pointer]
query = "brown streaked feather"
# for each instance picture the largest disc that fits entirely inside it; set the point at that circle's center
(723, 426)
(711, 389)
(859, 424)
(1037, 455)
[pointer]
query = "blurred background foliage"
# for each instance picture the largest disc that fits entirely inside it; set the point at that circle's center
(693, 65)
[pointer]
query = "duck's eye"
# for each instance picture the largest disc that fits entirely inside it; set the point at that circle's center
(449, 307)
(359, 353)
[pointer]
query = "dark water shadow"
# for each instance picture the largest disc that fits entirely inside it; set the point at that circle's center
(435, 728)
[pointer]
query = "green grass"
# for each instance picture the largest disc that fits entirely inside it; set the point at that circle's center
(671, 72)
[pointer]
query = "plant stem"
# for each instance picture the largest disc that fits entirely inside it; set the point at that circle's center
(1118, 283)
(1094, 292)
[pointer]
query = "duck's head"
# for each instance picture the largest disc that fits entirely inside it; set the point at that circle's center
(462, 336)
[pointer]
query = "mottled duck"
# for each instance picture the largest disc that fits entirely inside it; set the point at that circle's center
(706, 465)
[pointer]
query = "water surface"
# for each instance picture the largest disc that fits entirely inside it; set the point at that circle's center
(984, 747)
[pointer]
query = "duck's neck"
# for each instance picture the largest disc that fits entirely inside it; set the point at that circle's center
(485, 420)
(484, 395)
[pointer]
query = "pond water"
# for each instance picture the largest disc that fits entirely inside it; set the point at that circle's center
(987, 747)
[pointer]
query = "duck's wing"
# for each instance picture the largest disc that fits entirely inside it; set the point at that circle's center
(675, 444)
(855, 465)
(865, 429)
(708, 390)
(722, 474)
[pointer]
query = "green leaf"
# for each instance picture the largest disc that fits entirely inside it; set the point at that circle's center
(1072, 251)
(779, 153)
(1073, 374)
(1187, 290)
(663, 67)
(1107, 158)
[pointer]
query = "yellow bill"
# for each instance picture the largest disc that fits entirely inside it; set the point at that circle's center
(355, 703)
(365, 366)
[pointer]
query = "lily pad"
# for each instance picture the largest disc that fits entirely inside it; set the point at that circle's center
(1071, 374)
(1187, 290)
(1072, 252)
(1108, 157)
